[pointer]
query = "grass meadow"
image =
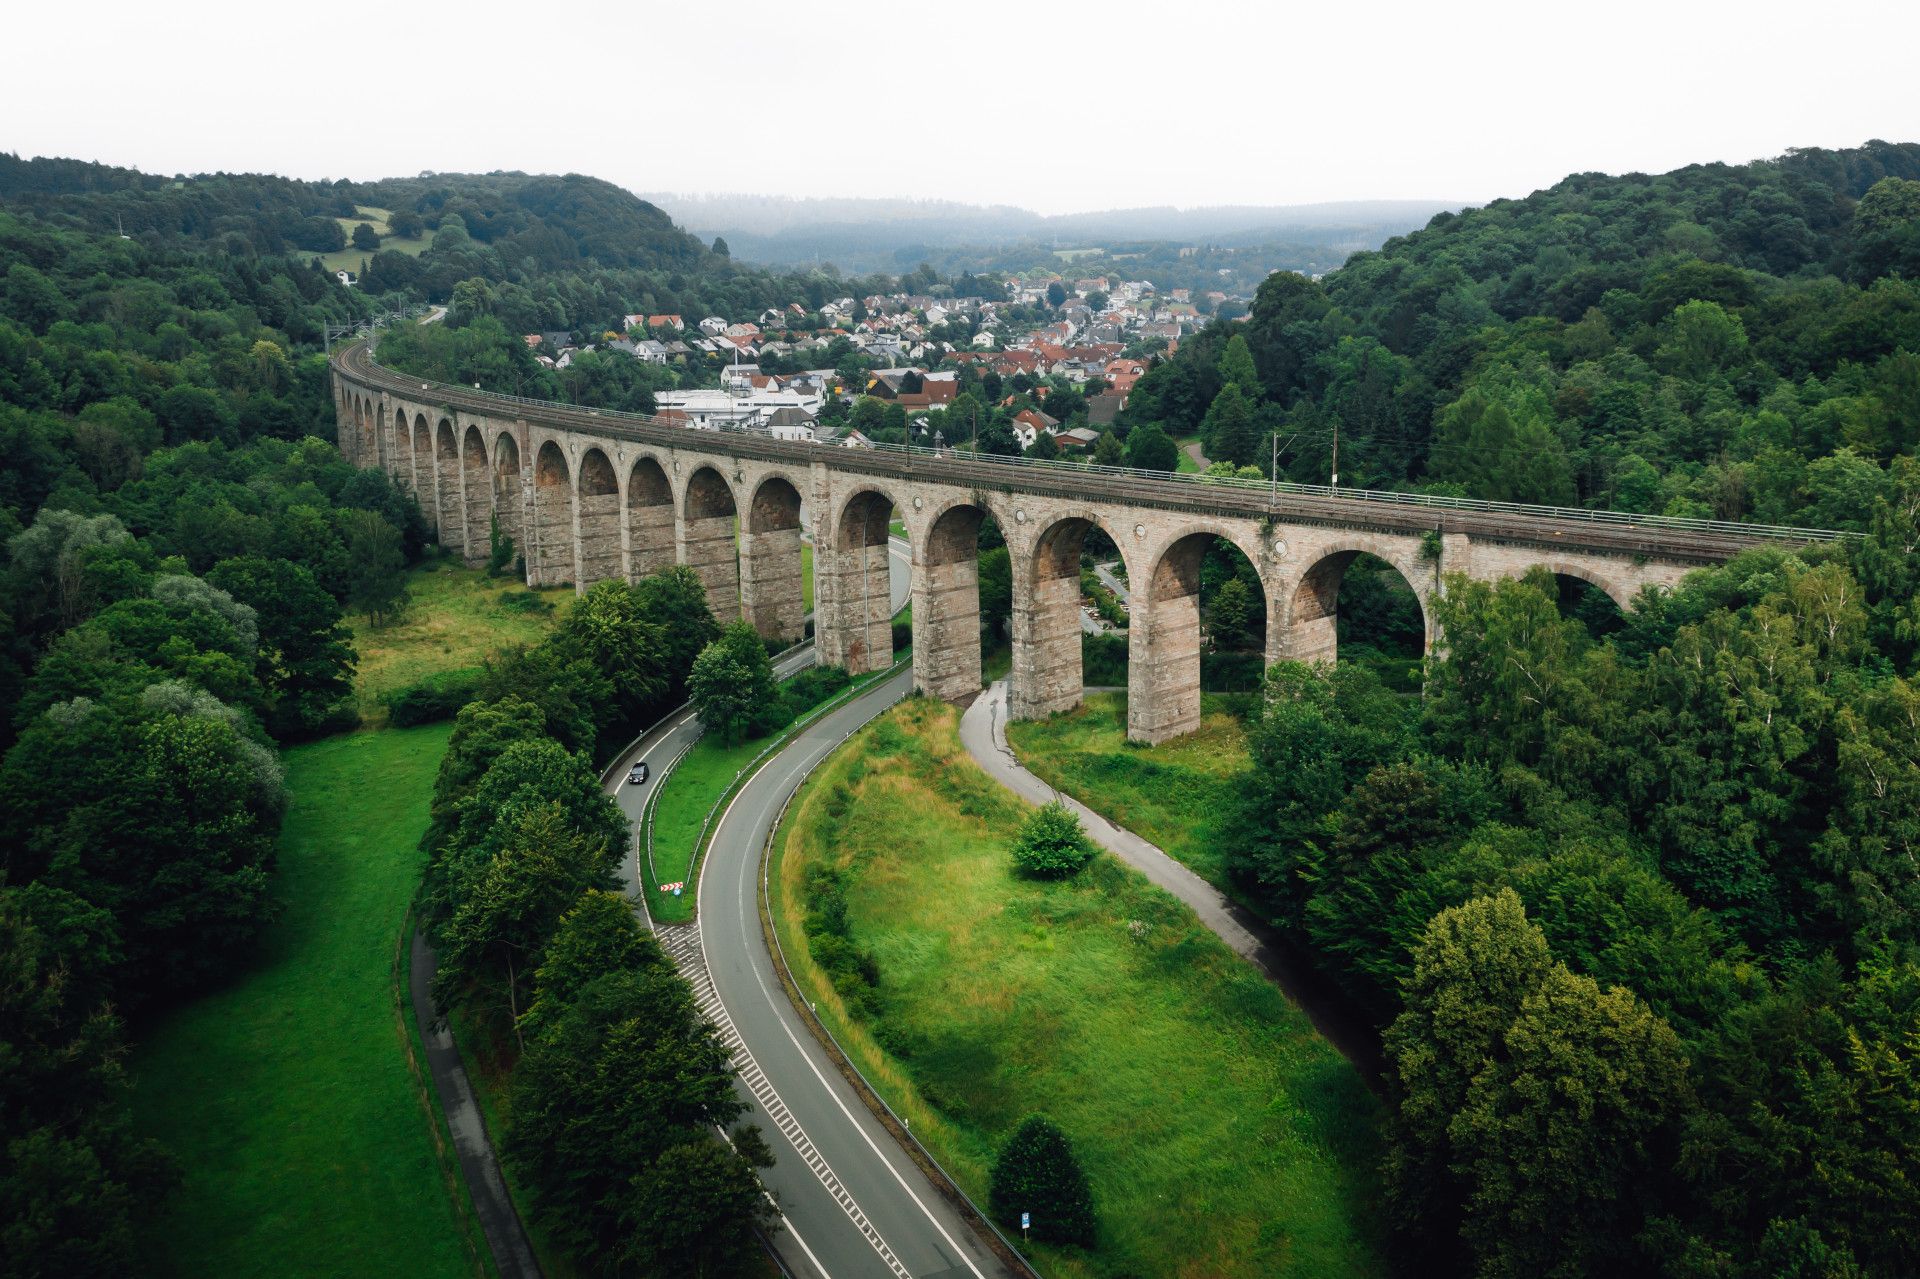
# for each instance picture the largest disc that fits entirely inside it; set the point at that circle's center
(1171, 794)
(455, 620)
(1221, 1135)
(350, 258)
(286, 1095)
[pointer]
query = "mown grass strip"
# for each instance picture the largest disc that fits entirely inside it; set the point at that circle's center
(691, 797)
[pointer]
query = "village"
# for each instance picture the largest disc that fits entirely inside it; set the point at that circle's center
(888, 368)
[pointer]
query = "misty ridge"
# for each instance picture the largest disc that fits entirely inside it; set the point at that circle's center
(875, 233)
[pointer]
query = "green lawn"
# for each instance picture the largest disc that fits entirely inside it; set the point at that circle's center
(806, 574)
(1221, 1135)
(350, 258)
(1186, 465)
(1172, 794)
(454, 621)
(286, 1096)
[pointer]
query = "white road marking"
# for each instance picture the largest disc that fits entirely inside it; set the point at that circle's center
(858, 1126)
(688, 952)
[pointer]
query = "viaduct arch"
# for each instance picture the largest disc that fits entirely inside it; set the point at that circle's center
(588, 495)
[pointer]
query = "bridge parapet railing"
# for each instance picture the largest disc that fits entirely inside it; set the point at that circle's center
(616, 423)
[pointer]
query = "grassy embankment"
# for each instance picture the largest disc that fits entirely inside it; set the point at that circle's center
(1220, 1134)
(1171, 794)
(350, 258)
(454, 621)
(286, 1095)
(1186, 464)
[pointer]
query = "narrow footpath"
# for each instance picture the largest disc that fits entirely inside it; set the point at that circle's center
(479, 1167)
(983, 730)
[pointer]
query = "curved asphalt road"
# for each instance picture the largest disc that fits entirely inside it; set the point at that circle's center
(854, 1203)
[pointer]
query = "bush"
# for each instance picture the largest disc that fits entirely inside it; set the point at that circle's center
(1103, 660)
(1051, 844)
(848, 965)
(1105, 602)
(1231, 672)
(437, 697)
(500, 550)
(525, 602)
(1037, 1173)
(902, 637)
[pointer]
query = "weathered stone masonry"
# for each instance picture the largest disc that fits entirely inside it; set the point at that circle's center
(586, 500)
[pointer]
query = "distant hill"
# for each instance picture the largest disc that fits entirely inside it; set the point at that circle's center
(881, 234)
(554, 220)
(546, 220)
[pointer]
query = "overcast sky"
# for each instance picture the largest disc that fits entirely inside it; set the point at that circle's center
(1053, 106)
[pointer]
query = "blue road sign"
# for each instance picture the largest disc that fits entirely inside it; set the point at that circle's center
(1025, 1220)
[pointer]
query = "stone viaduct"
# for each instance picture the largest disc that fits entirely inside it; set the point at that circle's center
(588, 496)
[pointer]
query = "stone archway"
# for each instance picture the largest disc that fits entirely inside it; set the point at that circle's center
(550, 560)
(477, 493)
(707, 541)
(425, 486)
(946, 605)
(509, 496)
(859, 564)
(649, 519)
(771, 594)
(1312, 632)
(1163, 693)
(1046, 619)
(452, 516)
(400, 451)
(599, 507)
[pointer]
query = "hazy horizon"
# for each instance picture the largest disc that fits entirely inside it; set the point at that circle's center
(1041, 108)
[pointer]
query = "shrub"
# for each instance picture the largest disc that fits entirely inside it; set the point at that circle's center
(848, 965)
(1103, 660)
(525, 602)
(1051, 844)
(1036, 1173)
(435, 698)
(1231, 672)
(500, 551)
(902, 637)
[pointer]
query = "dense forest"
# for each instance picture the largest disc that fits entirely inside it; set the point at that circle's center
(617, 1079)
(184, 542)
(1638, 909)
(1734, 342)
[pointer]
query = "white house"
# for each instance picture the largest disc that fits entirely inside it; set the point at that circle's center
(789, 423)
(983, 340)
